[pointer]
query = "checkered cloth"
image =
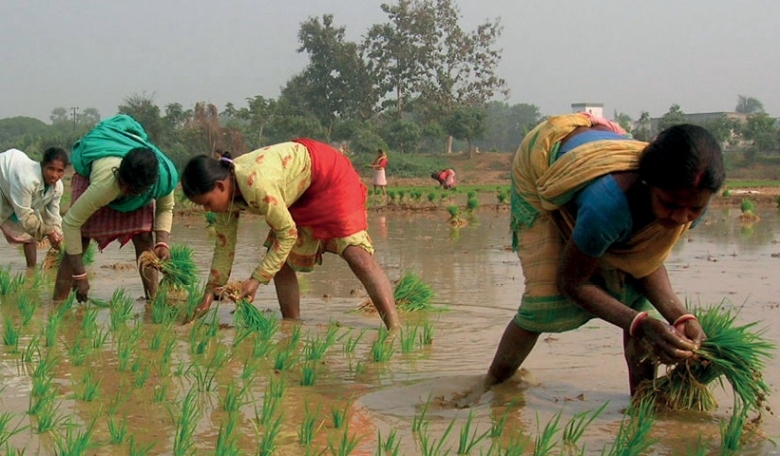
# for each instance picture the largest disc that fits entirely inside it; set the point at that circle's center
(107, 224)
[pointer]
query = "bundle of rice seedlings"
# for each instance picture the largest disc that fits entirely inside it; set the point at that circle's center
(54, 257)
(411, 294)
(748, 208)
(736, 353)
(179, 271)
(249, 316)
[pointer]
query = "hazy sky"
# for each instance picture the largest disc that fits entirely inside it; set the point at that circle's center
(629, 55)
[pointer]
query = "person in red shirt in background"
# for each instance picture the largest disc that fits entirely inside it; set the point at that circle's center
(379, 164)
(445, 177)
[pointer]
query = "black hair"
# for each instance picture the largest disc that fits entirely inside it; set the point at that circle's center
(55, 153)
(139, 170)
(201, 173)
(223, 153)
(683, 157)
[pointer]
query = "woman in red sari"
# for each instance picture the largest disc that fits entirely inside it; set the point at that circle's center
(314, 202)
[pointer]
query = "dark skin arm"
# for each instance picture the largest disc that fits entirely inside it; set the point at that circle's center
(573, 280)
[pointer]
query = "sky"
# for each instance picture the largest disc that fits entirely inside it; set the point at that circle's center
(631, 56)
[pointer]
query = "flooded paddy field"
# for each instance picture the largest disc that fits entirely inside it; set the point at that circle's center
(323, 385)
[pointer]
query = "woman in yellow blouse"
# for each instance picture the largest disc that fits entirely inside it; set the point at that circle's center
(314, 202)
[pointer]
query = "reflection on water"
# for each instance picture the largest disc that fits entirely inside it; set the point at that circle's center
(476, 278)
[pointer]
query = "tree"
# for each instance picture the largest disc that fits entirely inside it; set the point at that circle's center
(59, 116)
(642, 131)
(89, 117)
(260, 111)
(675, 116)
(142, 108)
(335, 83)
(507, 125)
(466, 123)
(748, 105)
(624, 120)
(762, 131)
(403, 135)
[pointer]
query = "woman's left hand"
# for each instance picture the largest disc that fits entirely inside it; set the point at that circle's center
(249, 289)
(162, 251)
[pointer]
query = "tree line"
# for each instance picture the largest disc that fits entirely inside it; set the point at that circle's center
(417, 82)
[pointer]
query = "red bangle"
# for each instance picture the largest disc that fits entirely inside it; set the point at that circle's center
(684, 318)
(162, 244)
(638, 318)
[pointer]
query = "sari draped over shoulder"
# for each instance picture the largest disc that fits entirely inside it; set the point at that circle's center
(542, 184)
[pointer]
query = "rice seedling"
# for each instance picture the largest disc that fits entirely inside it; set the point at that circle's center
(472, 204)
(431, 197)
(234, 397)
(135, 450)
(76, 441)
(211, 219)
(268, 410)
(125, 349)
(186, 424)
(141, 374)
(277, 386)
(401, 195)
(391, 195)
(79, 350)
(54, 257)
(32, 351)
(412, 294)
(160, 392)
(284, 359)
(41, 387)
(427, 333)
(545, 441)
(89, 323)
(351, 343)
(52, 328)
(261, 346)
(10, 284)
(27, 307)
(99, 339)
(383, 348)
(249, 371)
(498, 426)
(6, 432)
(117, 431)
(309, 374)
(314, 349)
(90, 388)
(575, 428)
(272, 429)
(737, 353)
(205, 376)
(120, 308)
(163, 313)
(47, 414)
(501, 197)
(249, 316)
(433, 447)
(179, 271)
(700, 448)
(239, 335)
(408, 338)
(391, 446)
(731, 431)
(227, 443)
(346, 445)
(633, 437)
(469, 439)
(165, 359)
(11, 334)
(359, 368)
(516, 445)
(296, 333)
(339, 414)
(419, 422)
(307, 429)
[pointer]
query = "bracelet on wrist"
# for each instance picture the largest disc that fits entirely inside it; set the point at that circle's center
(684, 318)
(162, 244)
(81, 276)
(638, 319)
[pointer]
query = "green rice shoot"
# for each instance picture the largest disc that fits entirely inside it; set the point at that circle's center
(736, 353)
(412, 294)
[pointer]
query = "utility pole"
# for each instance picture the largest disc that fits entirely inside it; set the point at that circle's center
(73, 111)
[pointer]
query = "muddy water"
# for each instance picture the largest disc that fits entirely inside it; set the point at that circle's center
(478, 282)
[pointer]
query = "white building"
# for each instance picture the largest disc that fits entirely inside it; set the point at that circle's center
(596, 109)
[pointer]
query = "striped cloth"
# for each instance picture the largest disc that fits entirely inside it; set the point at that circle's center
(107, 224)
(540, 226)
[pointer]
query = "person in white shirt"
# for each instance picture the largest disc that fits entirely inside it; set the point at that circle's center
(30, 194)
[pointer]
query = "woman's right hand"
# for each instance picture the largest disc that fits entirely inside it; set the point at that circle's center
(205, 303)
(669, 345)
(81, 287)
